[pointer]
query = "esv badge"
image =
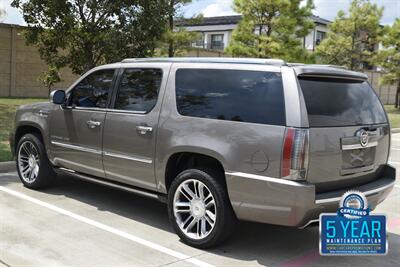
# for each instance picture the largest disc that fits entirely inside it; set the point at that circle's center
(353, 230)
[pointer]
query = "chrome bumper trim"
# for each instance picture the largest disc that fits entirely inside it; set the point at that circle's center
(308, 223)
(264, 178)
(367, 193)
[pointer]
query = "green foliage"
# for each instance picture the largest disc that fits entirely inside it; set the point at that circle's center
(352, 37)
(82, 34)
(389, 57)
(271, 29)
(175, 40)
(50, 77)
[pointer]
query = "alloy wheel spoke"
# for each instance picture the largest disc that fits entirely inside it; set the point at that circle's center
(210, 215)
(187, 192)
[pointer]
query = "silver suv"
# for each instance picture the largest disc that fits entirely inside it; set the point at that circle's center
(218, 139)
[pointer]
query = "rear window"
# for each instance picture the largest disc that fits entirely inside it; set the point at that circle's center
(334, 102)
(234, 95)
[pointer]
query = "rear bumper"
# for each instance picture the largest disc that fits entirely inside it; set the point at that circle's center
(278, 201)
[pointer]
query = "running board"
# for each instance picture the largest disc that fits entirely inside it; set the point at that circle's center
(115, 185)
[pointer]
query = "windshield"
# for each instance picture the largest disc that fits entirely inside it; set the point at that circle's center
(341, 102)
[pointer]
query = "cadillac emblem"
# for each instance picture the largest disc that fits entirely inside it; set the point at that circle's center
(364, 138)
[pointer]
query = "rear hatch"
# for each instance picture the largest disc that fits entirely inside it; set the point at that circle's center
(349, 133)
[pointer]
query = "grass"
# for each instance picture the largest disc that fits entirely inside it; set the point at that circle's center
(394, 116)
(8, 107)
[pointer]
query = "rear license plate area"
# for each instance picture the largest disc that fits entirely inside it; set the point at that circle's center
(358, 158)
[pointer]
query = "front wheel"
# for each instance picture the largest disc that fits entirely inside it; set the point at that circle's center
(34, 168)
(199, 208)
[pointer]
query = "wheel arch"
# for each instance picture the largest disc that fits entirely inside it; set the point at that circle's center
(182, 160)
(25, 128)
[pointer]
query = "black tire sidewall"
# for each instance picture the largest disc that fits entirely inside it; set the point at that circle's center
(219, 194)
(45, 171)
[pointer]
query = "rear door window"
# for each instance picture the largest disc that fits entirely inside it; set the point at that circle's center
(234, 95)
(138, 90)
(341, 102)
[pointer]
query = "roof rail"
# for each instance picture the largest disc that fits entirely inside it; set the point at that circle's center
(317, 65)
(261, 61)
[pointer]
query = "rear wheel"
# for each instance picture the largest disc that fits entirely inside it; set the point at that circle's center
(34, 168)
(199, 208)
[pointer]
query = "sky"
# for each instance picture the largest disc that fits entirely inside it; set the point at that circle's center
(326, 9)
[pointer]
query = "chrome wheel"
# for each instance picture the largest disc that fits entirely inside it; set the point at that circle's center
(28, 162)
(194, 209)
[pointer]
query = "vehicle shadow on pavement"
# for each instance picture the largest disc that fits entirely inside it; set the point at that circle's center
(252, 243)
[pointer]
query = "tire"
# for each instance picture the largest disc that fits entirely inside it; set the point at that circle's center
(202, 234)
(33, 166)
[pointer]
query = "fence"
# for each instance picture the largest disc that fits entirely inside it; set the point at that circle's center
(387, 93)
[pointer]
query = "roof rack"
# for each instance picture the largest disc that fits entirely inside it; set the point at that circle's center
(261, 61)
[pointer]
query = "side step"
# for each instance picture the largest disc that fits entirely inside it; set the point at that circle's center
(112, 184)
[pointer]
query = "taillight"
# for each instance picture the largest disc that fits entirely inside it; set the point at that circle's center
(295, 154)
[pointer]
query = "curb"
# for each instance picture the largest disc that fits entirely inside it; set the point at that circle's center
(395, 130)
(7, 166)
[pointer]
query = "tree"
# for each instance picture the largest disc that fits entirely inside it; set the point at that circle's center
(389, 57)
(82, 34)
(270, 29)
(352, 37)
(176, 40)
(50, 77)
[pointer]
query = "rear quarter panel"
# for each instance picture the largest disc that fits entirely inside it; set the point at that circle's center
(238, 146)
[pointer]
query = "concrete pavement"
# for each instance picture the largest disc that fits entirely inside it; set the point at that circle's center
(82, 224)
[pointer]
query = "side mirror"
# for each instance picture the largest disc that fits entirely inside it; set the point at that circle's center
(57, 97)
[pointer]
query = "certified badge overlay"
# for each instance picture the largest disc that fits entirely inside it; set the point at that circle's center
(353, 230)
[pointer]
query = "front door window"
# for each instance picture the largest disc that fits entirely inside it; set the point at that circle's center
(93, 91)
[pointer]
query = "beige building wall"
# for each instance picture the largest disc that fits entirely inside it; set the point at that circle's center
(21, 66)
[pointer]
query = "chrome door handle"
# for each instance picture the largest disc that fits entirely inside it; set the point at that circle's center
(93, 124)
(144, 129)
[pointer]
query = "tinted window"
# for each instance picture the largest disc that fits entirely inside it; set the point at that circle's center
(93, 91)
(332, 102)
(236, 95)
(138, 90)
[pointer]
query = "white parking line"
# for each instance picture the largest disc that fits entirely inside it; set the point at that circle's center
(107, 228)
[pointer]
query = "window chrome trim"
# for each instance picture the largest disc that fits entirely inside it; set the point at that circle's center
(263, 178)
(78, 148)
(121, 156)
(366, 193)
(135, 112)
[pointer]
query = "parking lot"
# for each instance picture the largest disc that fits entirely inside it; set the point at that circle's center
(83, 224)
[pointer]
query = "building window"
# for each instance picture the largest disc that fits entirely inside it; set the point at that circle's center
(320, 36)
(217, 41)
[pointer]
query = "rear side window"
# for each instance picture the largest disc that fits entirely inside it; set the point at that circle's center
(334, 102)
(234, 95)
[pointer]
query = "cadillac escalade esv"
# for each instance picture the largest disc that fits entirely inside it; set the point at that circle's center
(217, 139)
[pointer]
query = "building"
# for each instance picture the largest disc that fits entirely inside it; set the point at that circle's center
(217, 31)
(21, 66)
